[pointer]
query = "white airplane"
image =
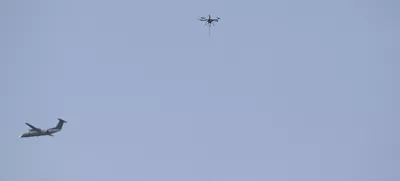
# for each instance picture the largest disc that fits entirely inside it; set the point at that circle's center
(39, 132)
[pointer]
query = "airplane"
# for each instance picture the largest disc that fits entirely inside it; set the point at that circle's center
(209, 20)
(34, 131)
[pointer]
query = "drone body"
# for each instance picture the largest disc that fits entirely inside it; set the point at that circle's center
(209, 21)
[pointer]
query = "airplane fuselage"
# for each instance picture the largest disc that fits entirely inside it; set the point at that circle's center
(48, 132)
(34, 131)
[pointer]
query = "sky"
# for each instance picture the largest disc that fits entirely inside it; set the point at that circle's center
(281, 90)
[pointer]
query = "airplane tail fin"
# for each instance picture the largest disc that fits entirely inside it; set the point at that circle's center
(60, 123)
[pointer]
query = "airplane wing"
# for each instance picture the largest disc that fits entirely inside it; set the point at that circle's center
(33, 127)
(203, 19)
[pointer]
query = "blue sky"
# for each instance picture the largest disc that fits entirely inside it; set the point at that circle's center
(281, 90)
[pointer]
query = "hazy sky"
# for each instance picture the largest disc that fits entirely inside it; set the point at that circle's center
(282, 90)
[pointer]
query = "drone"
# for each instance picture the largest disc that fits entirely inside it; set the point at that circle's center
(209, 21)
